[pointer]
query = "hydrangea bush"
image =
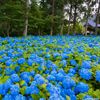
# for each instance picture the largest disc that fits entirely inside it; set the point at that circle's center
(50, 68)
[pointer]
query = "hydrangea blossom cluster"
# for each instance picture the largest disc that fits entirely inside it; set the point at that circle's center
(85, 74)
(98, 75)
(49, 68)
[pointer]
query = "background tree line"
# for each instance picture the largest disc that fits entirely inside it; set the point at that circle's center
(41, 17)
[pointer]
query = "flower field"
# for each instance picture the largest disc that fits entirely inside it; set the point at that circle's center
(50, 68)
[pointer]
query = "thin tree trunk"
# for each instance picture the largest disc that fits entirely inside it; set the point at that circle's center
(62, 29)
(86, 27)
(52, 19)
(87, 17)
(97, 19)
(3, 33)
(39, 32)
(62, 25)
(26, 18)
(74, 21)
(70, 14)
(8, 30)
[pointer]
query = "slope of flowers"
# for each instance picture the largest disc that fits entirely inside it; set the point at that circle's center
(50, 68)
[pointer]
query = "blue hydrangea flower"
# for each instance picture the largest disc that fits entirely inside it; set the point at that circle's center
(72, 70)
(39, 79)
(17, 69)
(47, 71)
(69, 92)
(1, 88)
(51, 78)
(93, 57)
(20, 97)
(87, 97)
(80, 50)
(86, 64)
(47, 55)
(8, 97)
(85, 74)
(54, 72)
(34, 83)
(70, 74)
(64, 63)
(56, 55)
(42, 99)
(6, 58)
(21, 60)
(32, 73)
(73, 62)
(30, 62)
(73, 97)
(62, 72)
(8, 62)
(98, 75)
(15, 78)
(56, 97)
(59, 77)
(68, 83)
(29, 98)
(63, 92)
(81, 88)
(2, 52)
(14, 90)
(32, 90)
(48, 64)
(9, 71)
(7, 84)
(64, 56)
(25, 76)
(51, 88)
(53, 66)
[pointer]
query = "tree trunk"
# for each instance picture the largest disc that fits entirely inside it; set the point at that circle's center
(52, 19)
(26, 27)
(39, 32)
(87, 14)
(97, 19)
(8, 30)
(70, 14)
(86, 27)
(62, 29)
(74, 21)
(62, 22)
(26, 18)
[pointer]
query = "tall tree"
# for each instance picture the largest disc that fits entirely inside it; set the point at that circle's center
(27, 2)
(62, 6)
(52, 18)
(88, 12)
(70, 16)
(97, 17)
(76, 6)
(10, 21)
